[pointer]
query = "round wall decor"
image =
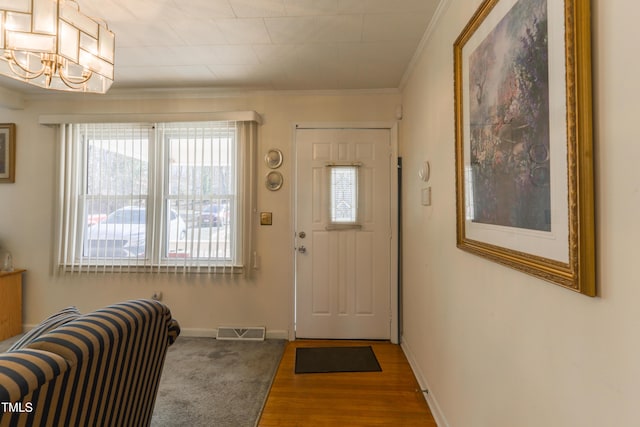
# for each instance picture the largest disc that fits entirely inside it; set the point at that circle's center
(273, 158)
(274, 180)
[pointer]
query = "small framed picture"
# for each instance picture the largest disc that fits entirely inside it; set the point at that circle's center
(7, 152)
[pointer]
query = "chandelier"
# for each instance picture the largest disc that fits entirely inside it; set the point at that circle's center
(50, 44)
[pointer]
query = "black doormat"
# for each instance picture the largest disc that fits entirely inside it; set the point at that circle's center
(311, 360)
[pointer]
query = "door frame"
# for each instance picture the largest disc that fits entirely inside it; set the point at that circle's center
(392, 127)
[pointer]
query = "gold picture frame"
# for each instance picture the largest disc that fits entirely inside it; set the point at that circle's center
(524, 149)
(7, 152)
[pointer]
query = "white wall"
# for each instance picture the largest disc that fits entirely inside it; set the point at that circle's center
(496, 347)
(200, 303)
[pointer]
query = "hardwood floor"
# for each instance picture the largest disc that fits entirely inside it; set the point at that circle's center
(388, 398)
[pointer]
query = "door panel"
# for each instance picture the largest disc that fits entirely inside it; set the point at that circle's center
(343, 274)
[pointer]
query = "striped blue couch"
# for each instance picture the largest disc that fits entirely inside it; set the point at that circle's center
(97, 369)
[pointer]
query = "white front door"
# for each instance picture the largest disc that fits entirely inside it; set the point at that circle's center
(345, 265)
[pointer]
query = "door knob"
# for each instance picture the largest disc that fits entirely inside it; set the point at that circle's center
(302, 250)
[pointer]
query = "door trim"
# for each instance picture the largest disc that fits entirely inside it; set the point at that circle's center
(394, 309)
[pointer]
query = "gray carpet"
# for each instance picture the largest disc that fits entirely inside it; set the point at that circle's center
(213, 383)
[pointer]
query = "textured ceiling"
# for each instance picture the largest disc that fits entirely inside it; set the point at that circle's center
(261, 44)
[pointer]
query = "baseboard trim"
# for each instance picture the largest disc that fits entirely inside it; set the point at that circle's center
(212, 333)
(429, 396)
(198, 332)
(275, 334)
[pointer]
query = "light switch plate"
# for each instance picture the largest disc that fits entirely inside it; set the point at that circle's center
(426, 196)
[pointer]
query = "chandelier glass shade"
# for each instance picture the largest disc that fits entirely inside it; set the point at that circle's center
(50, 44)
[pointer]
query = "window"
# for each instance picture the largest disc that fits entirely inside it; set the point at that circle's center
(343, 191)
(156, 195)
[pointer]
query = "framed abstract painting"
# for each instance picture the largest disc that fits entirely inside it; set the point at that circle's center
(524, 149)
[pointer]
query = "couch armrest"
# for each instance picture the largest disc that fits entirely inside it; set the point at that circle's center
(22, 372)
(115, 357)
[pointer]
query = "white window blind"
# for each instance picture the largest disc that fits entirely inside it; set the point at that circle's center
(175, 196)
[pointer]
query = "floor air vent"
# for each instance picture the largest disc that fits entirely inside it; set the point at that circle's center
(254, 333)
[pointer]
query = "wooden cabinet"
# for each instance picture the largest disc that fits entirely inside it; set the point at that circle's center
(10, 304)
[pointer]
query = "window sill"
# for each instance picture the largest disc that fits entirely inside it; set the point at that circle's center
(151, 269)
(331, 227)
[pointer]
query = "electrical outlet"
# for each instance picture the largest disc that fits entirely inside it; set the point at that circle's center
(157, 295)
